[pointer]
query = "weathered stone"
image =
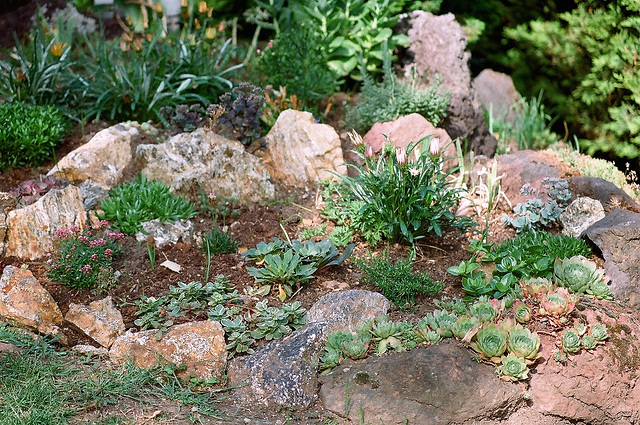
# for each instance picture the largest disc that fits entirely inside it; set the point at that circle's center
(347, 309)
(438, 45)
(284, 372)
(300, 152)
(580, 214)
(92, 193)
(100, 321)
(90, 350)
(24, 301)
(617, 236)
(7, 203)
(30, 230)
(523, 167)
(103, 159)
(410, 129)
(497, 93)
(205, 161)
(440, 384)
(199, 346)
(610, 195)
(166, 233)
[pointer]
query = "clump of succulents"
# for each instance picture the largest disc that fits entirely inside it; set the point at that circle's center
(387, 334)
(30, 191)
(442, 322)
(485, 310)
(521, 312)
(523, 343)
(512, 368)
(580, 275)
(557, 303)
(490, 342)
(464, 324)
(423, 333)
(598, 331)
(536, 286)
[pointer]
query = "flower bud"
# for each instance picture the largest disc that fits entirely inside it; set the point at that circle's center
(202, 7)
(368, 151)
(401, 155)
(434, 146)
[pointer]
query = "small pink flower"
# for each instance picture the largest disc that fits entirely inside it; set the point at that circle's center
(401, 155)
(49, 261)
(270, 44)
(94, 257)
(86, 269)
(434, 146)
(368, 151)
(108, 252)
(84, 239)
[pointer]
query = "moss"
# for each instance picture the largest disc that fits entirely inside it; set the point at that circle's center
(623, 348)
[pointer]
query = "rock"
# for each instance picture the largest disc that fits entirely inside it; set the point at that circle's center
(440, 384)
(617, 236)
(525, 167)
(438, 46)
(103, 159)
(580, 214)
(284, 372)
(90, 350)
(92, 193)
(30, 230)
(497, 93)
(7, 203)
(25, 302)
(301, 152)
(8, 348)
(347, 309)
(610, 195)
(199, 346)
(597, 387)
(166, 233)
(410, 129)
(203, 160)
(100, 321)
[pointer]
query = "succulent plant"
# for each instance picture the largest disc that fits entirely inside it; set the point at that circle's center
(589, 342)
(581, 328)
(513, 368)
(490, 342)
(355, 349)
(441, 321)
(387, 334)
(484, 309)
(560, 356)
(557, 303)
(463, 325)
(523, 343)
(521, 312)
(577, 273)
(570, 341)
(432, 337)
(600, 290)
(536, 286)
(383, 328)
(598, 331)
(29, 191)
(330, 358)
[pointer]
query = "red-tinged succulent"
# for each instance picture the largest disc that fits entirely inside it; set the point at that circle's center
(558, 303)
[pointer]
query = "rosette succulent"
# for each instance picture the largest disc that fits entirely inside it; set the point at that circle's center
(513, 368)
(598, 331)
(463, 325)
(521, 312)
(536, 286)
(490, 342)
(557, 303)
(600, 290)
(386, 334)
(485, 310)
(424, 334)
(523, 343)
(330, 358)
(355, 349)
(570, 341)
(441, 321)
(589, 342)
(577, 273)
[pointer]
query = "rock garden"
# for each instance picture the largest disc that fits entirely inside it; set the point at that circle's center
(275, 213)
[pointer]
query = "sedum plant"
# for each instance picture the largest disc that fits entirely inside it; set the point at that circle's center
(580, 275)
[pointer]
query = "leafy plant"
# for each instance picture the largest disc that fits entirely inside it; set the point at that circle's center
(322, 254)
(558, 303)
(183, 118)
(83, 258)
(490, 342)
(217, 241)
(523, 343)
(285, 270)
(521, 312)
(463, 325)
(28, 134)
(534, 213)
(263, 249)
(29, 191)
(131, 204)
(512, 368)
(485, 310)
(580, 275)
(274, 323)
(393, 98)
(570, 341)
(395, 199)
(238, 112)
(219, 207)
(598, 331)
(397, 281)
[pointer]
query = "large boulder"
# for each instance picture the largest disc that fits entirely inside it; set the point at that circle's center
(497, 93)
(610, 195)
(617, 236)
(438, 46)
(523, 167)
(203, 160)
(100, 320)
(31, 229)
(198, 346)
(440, 384)
(7, 203)
(301, 152)
(103, 159)
(25, 302)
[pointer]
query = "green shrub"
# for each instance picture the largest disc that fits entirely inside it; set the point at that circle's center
(131, 204)
(28, 134)
(397, 281)
(217, 241)
(392, 99)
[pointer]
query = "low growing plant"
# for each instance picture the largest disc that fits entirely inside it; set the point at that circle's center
(29, 191)
(581, 276)
(536, 213)
(131, 204)
(82, 258)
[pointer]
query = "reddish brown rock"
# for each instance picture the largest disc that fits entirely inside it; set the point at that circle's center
(25, 302)
(100, 321)
(199, 346)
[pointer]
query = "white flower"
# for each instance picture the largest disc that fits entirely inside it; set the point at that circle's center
(401, 155)
(415, 171)
(434, 146)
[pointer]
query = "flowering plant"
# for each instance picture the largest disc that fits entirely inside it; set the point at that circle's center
(82, 258)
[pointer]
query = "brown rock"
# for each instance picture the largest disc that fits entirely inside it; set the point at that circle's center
(100, 321)
(525, 167)
(200, 346)
(24, 301)
(496, 92)
(30, 230)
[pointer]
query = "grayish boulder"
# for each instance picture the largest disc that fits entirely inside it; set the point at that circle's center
(610, 195)
(282, 373)
(617, 236)
(92, 193)
(440, 384)
(497, 93)
(347, 309)
(166, 233)
(580, 214)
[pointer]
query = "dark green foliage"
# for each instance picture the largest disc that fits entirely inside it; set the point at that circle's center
(217, 241)
(183, 118)
(238, 113)
(131, 204)
(397, 281)
(28, 134)
(298, 61)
